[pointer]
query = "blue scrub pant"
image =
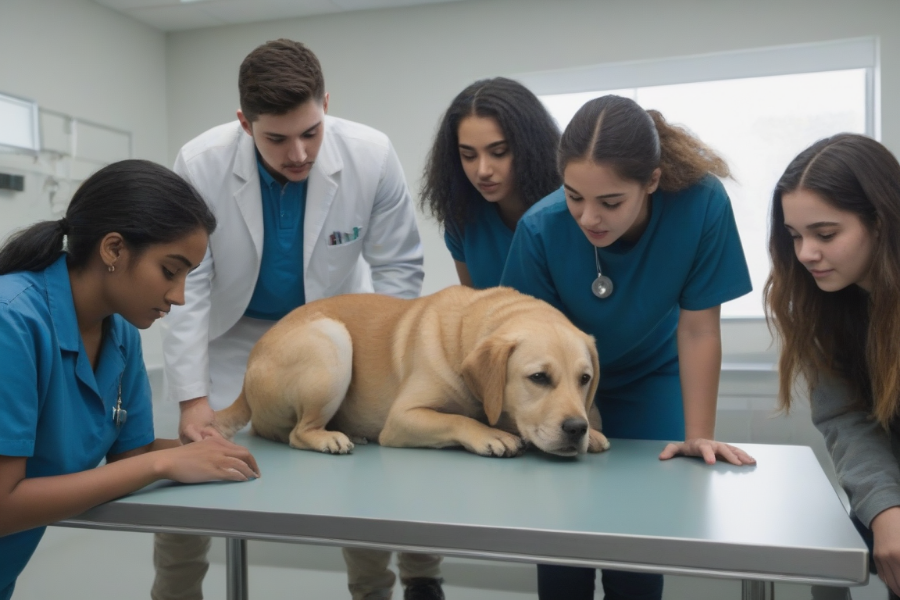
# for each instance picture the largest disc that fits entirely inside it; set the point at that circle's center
(649, 409)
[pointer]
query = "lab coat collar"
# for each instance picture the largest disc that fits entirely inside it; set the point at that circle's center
(247, 194)
(321, 190)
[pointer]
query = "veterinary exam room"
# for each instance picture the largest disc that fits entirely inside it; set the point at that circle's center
(450, 299)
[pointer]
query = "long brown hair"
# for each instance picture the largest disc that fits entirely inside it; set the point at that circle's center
(850, 334)
(616, 131)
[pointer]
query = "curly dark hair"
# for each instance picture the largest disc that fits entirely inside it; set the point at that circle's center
(530, 131)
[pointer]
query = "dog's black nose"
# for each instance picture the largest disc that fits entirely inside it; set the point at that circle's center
(575, 428)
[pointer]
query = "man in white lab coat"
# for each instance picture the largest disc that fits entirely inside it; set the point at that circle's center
(308, 206)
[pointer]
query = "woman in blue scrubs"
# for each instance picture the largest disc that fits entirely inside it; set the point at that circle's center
(639, 249)
(73, 387)
(492, 158)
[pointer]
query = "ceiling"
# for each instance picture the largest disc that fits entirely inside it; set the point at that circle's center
(177, 15)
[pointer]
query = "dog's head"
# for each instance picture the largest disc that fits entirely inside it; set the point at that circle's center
(542, 374)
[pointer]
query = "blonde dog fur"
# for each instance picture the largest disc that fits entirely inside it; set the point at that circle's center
(489, 370)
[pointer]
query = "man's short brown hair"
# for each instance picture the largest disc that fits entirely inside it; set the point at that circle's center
(277, 77)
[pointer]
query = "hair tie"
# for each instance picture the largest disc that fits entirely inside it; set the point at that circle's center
(64, 225)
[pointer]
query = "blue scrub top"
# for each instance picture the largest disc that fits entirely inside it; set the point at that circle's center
(689, 257)
(54, 408)
(483, 245)
(279, 286)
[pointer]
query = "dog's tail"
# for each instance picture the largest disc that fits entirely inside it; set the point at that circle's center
(232, 419)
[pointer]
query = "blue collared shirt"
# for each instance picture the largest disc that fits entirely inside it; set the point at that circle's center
(55, 409)
(482, 245)
(279, 287)
(689, 257)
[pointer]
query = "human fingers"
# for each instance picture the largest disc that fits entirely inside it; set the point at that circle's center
(708, 450)
(887, 574)
(233, 450)
(190, 433)
(209, 431)
(238, 470)
(728, 453)
(740, 456)
(671, 450)
(887, 563)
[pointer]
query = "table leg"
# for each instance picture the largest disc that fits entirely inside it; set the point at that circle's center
(236, 568)
(757, 590)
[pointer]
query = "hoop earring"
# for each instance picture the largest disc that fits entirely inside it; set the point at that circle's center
(112, 268)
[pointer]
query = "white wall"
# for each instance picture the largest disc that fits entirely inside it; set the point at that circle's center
(397, 69)
(79, 58)
(394, 69)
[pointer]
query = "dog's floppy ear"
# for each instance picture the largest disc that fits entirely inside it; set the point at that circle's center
(484, 371)
(595, 380)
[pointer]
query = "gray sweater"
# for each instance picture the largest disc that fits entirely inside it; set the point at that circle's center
(866, 457)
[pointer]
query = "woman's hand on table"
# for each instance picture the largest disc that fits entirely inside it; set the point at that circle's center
(210, 459)
(886, 531)
(709, 450)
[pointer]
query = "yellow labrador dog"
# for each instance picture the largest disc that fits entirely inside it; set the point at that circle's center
(489, 370)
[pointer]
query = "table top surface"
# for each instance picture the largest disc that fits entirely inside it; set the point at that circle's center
(779, 520)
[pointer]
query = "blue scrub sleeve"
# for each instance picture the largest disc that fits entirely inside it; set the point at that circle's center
(526, 267)
(19, 377)
(719, 271)
(136, 397)
(454, 244)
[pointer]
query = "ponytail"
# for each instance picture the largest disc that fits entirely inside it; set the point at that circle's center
(617, 131)
(684, 159)
(142, 201)
(34, 248)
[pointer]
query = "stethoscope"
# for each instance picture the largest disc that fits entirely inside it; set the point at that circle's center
(603, 285)
(119, 414)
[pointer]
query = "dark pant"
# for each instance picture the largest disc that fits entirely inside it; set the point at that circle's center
(650, 409)
(577, 583)
(866, 534)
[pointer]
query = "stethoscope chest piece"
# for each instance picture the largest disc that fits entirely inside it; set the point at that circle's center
(603, 285)
(119, 414)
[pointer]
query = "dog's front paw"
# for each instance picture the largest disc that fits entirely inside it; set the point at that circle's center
(498, 443)
(597, 442)
(322, 440)
(338, 444)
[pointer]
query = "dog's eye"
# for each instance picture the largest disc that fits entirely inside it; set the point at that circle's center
(585, 379)
(540, 378)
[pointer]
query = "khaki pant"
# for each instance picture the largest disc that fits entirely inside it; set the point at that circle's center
(180, 562)
(368, 575)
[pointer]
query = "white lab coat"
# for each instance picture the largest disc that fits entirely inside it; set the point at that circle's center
(356, 181)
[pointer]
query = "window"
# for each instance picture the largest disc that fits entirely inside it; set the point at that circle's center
(758, 109)
(19, 124)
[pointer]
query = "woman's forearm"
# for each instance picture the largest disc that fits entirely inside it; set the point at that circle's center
(35, 501)
(700, 364)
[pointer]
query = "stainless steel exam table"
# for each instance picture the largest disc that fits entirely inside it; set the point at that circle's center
(625, 509)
